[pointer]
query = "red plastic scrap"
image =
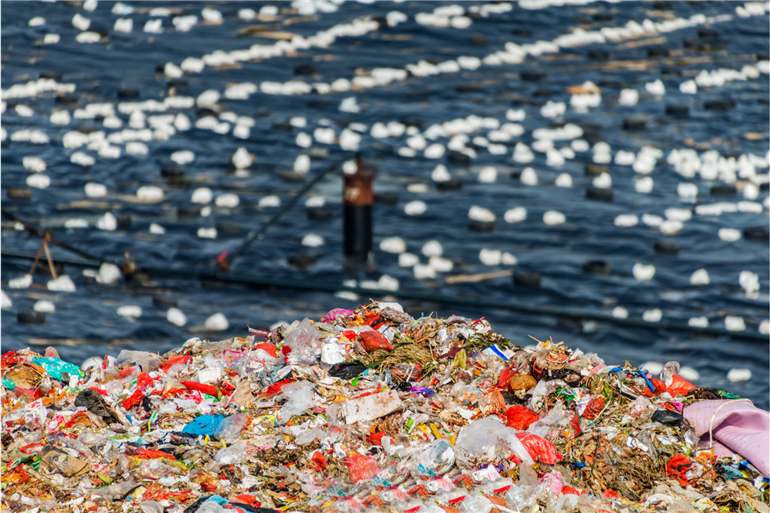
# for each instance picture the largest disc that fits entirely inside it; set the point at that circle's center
(133, 400)
(361, 467)
(374, 340)
(201, 387)
(152, 454)
(594, 407)
(679, 386)
(268, 348)
(9, 359)
(505, 377)
(248, 499)
(376, 438)
(179, 359)
(539, 449)
(609, 493)
(276, 387)
(519, 417)
(677, 467)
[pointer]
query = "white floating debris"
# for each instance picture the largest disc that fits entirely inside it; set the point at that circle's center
(183, 157)
(22, 282)
(764, 327)
(227, 200)
(655, 88)
(738, 375)
(515, 215)
(528, 177)
(130, 311)
(302, 164)
(729, 234)
(80, 22)
(488, 174)
(407, 260)
(628, 97)
(417, 188)
(440, 264)
(176, 317)
(271, 201)
(386, 282)
(82, 159)
(689, 373)
(734, 323)
(44, 306)
(108, 273)
(652, 315)
(563, 180)
(620, 312)
(643, 272)
(38, 181)
(554, 218)
(481, 214)
(603, 181)
(644, 185)
(423, 272)
(149, 194)
(626, 220)
(700, 277)
(202, 196)
(157, 229)
(207, 232)
(7, 304)
(432, 248)
(394, 245)
(749, 282)
(415, 208)
(34, 164)
(441, 175)
(217, 322)
(61, 284)
(653, 368)
(107, 222)
(123, 25)
(312, 240)
(490, 257)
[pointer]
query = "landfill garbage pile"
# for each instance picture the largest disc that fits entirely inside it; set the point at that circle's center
(365, 410)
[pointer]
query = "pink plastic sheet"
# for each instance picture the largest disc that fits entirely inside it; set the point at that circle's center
(733, 427)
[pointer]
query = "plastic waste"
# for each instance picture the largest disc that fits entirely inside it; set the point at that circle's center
(58, 368)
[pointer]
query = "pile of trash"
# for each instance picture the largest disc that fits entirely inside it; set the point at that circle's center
(372, 410)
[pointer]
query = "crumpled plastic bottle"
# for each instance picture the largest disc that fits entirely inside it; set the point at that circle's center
(231, 455)
(299, 397)
(304, 342)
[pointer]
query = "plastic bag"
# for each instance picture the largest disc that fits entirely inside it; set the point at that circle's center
(58, 368)
(374, 340)
(361, 467)
(519, 417)
(540, 449)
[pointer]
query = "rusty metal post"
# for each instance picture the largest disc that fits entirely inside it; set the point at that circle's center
(358, 203)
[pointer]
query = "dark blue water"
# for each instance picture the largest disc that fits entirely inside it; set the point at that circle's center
(85, 321)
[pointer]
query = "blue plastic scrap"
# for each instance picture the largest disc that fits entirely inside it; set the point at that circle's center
(57, 368)
(204, 425)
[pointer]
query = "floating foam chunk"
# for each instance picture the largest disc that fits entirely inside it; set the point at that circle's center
(271, 201)
(653, 368)
(652, 315)
(423, 272)
(130, 311)
(407, 260)
(312, 240)
(176, 317)
(183, 157)
(481, 214)
(302, 164)
(22, 282)
(206, 233)
(729, 234)
(620, 312)
(7, 304)
(149, 194)
(95, 190)
(394, 245)
(734, 323)
(515, 215)
(38, 181)
(34, 164)
(157, 229)
(628, 97)
(432, 248)
(564, 180)
(643, 272)
(217, 322)
(108, 273)
(107, 222)
(626, 220)
(488, 174)
(490, 257)
(738, 375)
(415, 208)
(529, 176)
(61, 284)
(554, 218)
(202, 196)
(440, 264)
(227, 200)
(700, 277)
